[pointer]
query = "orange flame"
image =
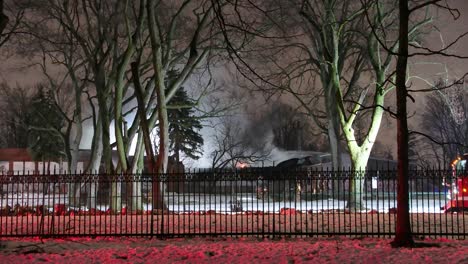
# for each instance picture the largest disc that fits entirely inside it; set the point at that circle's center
(455, 161)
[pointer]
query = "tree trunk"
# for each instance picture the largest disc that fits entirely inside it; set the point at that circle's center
(116, 193)
(96, 149)
(116, 189)
(103, 96)
(106, 146)
(75, 152)
(137, 169)
(73, 188)
(95, 163)
(356, 183)
(157, 198)
(163, 153)
(334, 140)
(360, 154)
(403, 234)
(333, 128)
(120, 129)
(103, 101)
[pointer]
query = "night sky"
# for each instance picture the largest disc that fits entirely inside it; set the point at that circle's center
(15, 70)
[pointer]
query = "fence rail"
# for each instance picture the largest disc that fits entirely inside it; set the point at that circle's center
(260, 202)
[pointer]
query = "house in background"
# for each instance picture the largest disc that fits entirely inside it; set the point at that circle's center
(19, 160)
(323, 160)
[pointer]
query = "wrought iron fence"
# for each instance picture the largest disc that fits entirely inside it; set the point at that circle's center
(250, 202)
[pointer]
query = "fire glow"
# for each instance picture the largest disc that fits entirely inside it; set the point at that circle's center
(242, 165)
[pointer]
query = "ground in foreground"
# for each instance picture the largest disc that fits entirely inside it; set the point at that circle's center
(229, 250)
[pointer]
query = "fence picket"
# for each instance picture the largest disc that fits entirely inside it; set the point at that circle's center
(247, 202)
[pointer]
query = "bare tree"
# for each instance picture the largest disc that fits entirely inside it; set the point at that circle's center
(14, 105)
(445, 125)
(88, 39)
(11, 14)
(407, 10)
(232, 148)
(155, 36)
(170, 49)
(337, 47)
(403, 234)
(181, 36)
(105, 47)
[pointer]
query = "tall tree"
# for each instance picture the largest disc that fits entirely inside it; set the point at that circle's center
(45, 122)
(184, 127)
(446, 133)
(189, 55)
(102, 36)
(407, 11)
(357, 53)
(403, 234)
(336, 46)
(341, 52)
(187, 45)
(103, 47)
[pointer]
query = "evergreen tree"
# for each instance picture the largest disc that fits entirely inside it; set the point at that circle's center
(184, 127)
(45, 122)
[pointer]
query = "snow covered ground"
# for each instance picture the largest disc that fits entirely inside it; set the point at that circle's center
(197, 215)
(222, 203)
(287, 222)
(229, 250)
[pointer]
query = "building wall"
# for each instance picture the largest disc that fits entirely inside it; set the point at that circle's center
(18, 161)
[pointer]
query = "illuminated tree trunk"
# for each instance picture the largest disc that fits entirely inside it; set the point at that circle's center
(360, 154)
(137, 169)
(95, 160)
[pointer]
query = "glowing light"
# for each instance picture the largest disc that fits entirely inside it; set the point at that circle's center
(241, 165)
(455, 161)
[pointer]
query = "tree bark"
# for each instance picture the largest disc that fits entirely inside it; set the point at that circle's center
(74, 144)
(403, 234)
(157, 198)
(333, 132)
(356, 183)
(333, 129)
(137, 169)
(103, 96)
(163, 153)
